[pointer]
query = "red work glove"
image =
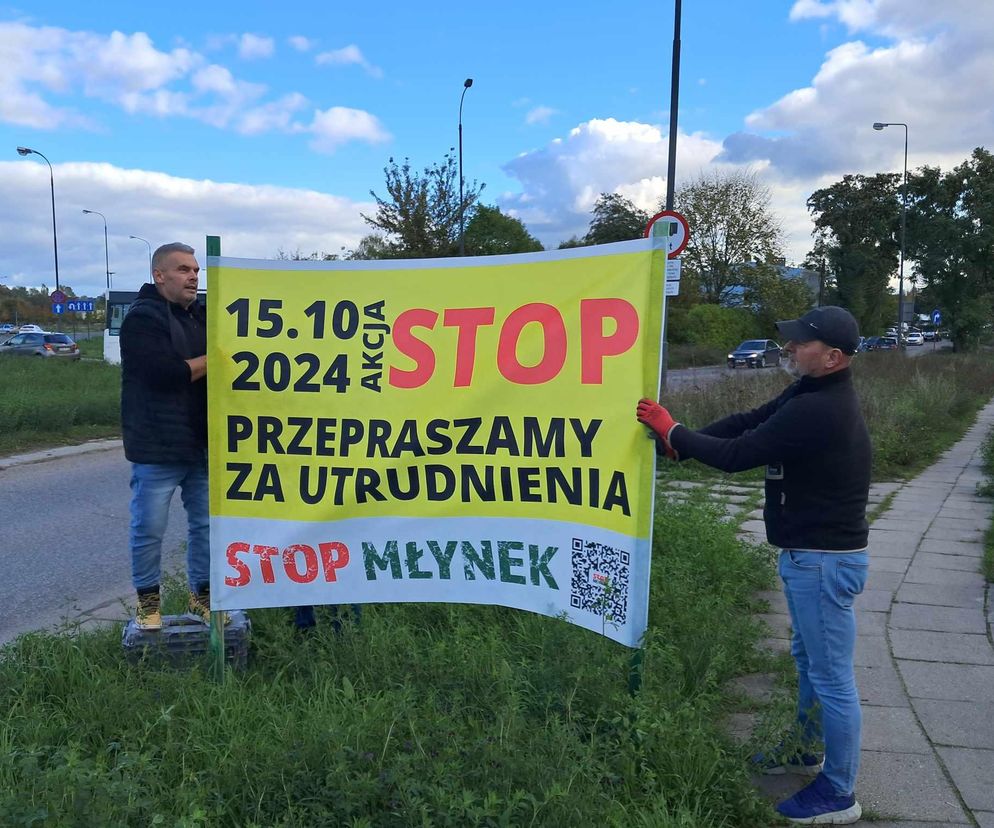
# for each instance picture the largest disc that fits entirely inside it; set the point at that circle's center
(652, 414)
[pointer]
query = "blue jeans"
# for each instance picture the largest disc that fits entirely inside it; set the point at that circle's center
(820, 588)
(152, 487)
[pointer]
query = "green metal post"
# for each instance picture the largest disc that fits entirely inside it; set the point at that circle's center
(217, 618)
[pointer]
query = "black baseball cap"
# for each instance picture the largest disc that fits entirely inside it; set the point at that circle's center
(830, 324)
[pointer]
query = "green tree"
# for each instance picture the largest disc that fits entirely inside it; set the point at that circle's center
(772, 297)
(950, 236)
(857, 221)
(420, 215)
(730, 223)
(371, 246)
(713, 325)
(615, 219)
(491, 233)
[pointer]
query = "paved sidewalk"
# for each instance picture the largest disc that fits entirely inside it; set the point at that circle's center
(924, 654)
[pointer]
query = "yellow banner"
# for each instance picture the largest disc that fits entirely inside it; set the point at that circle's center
(489, 388)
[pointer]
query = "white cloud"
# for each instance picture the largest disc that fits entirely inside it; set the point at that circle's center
(251, 47)
(277, 115)
(561, 181)
(540, 115)
(338, 125)
(301, 43)
(253, 221)
(347, 56)
(128, 71)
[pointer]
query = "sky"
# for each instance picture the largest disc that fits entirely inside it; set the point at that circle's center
(270, 126)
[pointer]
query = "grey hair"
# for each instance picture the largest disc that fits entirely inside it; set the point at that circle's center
(168, 249)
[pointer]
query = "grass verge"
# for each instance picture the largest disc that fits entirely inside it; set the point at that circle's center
(914, 408)
(421, 715)
(45, 402)
(987, 489)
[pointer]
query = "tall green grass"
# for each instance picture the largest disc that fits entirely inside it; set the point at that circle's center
(45, 402)
(439, 715)
(914, 408)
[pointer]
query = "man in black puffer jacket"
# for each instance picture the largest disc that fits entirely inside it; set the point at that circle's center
(164, 420)
(816, 449)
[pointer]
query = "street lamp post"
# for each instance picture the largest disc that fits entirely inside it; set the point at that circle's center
(106, 252)
(149, 246)
(462, 239)
(55, 238)
(904, 211)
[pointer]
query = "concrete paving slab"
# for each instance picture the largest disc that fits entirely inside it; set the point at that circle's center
(871, 623)
(952, 682)
(775, 645)
(880, 685)
(907, 823)
(985, 819)
(956, 648)
(875, 600)
(889, 581)
(906, 786)
(964, 563)
(942, 596)
(893, 729)
(967, 510)
(937, 619)
(921, 574)
(757, 687)
(950, 547)
(960, 524)
(962, 535)
(871, 650)
(889, 524)
(973, 775)
(894, 537)
(956, 723)
(740, 726)
(755, 527)
(777, 623)
(901, 549)
(774, 598)
(885, 563)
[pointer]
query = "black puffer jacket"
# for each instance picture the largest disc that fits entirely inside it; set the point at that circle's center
(816, 449)
(163, 414)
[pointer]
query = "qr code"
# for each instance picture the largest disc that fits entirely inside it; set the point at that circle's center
(600, 580)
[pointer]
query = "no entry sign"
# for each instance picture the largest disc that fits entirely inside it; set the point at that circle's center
(679, 230)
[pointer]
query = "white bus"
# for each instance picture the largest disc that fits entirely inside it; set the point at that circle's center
(118, 304)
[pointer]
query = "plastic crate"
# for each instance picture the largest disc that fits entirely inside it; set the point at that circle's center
(184, 641)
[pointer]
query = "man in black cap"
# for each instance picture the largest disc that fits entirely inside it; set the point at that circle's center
(813, 441)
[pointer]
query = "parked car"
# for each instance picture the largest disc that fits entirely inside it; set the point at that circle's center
(6, 327)
(47, 345)
(886, 343)
(914, 338)
(30, 329)
(930, 336)
(867, 342)
(755, 353)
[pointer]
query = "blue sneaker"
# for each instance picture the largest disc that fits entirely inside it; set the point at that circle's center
(819, 804)
(780, 760)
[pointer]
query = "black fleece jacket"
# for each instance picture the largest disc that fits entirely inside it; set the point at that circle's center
(816, 449)
(163, 414)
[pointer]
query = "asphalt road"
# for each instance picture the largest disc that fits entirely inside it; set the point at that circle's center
(64, 539)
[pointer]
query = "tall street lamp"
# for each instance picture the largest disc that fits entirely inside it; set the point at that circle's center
(51, 178)
(904, 211)
(149, 254)
(106, 253)
(462, 240)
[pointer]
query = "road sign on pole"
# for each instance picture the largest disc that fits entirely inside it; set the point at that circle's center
(679, 230)
(58, 307)
(58, 297)
(936, 316)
